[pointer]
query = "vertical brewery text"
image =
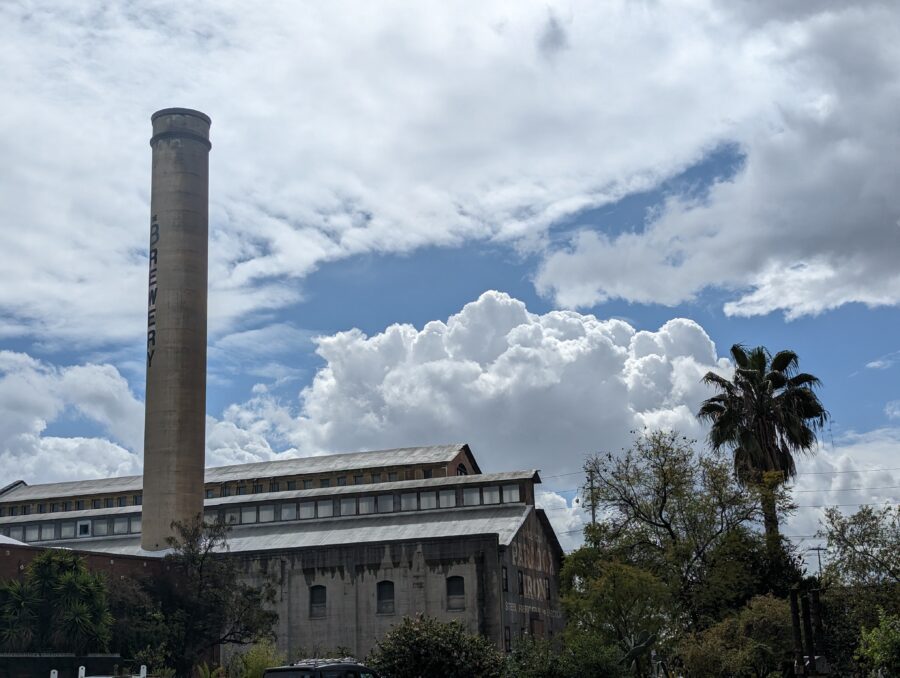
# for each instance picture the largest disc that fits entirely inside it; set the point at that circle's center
(152, 287)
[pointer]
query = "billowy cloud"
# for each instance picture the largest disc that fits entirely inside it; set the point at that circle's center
(341, 129)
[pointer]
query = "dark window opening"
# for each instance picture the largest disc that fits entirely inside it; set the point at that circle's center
(137, 500)
(209, 494)
(121, 501)
(108, 502)
(342, 480)
(547, 587)
(521, 583)
(507, 641)
(376, 477)
(317, 601)
(505, 578)
(274, 487)
(257, 488)
(325, 482)
(358, 479)
(385, 597)
(461, 470)
(392, 477)
(456, 593)
(428, 473)
(291, 485)
(95, 503)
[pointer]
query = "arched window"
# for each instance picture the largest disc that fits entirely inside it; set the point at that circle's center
(456, 593)
(461, 470)
(317, 601)
(384, 592)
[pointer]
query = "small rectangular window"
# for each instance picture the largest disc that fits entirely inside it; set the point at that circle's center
(521, 583)
(547, 588)
(510, 494)
(101, 528)
(120, 525)
(257, 488)
(392, 477)
(366, 505)
(325, 508)
(342, 480)
(210, 494)
(504, 578)
(307, 510)
(507, 640)
(95, 503)
(13, 510)
(428, 500)
(267, 513)
(325, 482)
(17, 533)
(79, 505)
(307, 484)
(54, 507)
(84, 528)
(122, 501)
(211, 517)
(376, 477)
(448, 498)
(232, 517)
(491, 494)
(408, 501)
(471, 496)
(48, 531)
(135, 525)
(67, 531)
(428, 473)
(358, 479)
(108, 502)
(241, 490)
(288, 511)
(274, 487)
(317, 601)
(41, 508)
(137, 500)
(248, 515)
(32, 533)
(226, 491)
(385, 503)
(291, 485)
(67, 506)
(348, 507)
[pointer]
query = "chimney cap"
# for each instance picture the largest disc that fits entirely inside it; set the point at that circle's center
(181, 111)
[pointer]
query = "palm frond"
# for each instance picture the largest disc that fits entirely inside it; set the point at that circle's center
(784, 361)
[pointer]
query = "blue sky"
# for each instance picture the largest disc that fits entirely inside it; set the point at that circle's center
(530, 227)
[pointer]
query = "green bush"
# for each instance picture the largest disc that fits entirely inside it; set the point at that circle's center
(426, 647)
(254, 662)
(879, 647)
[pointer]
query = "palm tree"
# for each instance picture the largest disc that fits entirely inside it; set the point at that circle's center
(766, 414)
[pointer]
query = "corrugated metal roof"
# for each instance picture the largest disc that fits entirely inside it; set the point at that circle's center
(435, 454)
(287, 495)
(504, 521)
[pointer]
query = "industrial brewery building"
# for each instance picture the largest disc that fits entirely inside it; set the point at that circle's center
(352, 542)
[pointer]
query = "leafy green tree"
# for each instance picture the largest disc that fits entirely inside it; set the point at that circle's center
(864, 547)
(198, 603)
(622, 606)
(754, 642)
(253, 662)
(766, 414)
(580, 655)
(678, 514)
(423, 646)
(59, 606)
(879, 647)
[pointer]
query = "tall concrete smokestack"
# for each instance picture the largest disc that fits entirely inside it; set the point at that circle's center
(175, 415)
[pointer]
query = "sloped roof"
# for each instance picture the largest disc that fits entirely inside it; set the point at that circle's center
(435, 454)
(503, 521)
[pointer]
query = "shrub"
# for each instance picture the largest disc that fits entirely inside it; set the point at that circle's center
(426, 647)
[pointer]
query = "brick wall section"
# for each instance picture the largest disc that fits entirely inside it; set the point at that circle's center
(14, 559)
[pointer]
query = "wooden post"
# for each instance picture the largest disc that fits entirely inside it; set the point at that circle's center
(808, 633)
(799, 667)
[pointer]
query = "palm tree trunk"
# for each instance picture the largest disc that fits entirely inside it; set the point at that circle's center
(770, 516)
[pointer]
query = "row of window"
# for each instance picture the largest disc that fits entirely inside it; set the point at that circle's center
(224, 491)
(70, 505)
(310, 483)
(304, 510)
(504, 577)
(98, 527)
(382, 503)
(384, 597)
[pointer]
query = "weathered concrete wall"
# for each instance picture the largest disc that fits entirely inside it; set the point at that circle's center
(350, 574)
(175, 414)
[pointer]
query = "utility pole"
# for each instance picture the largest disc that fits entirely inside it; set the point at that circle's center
(818, 550)
(593, 500)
